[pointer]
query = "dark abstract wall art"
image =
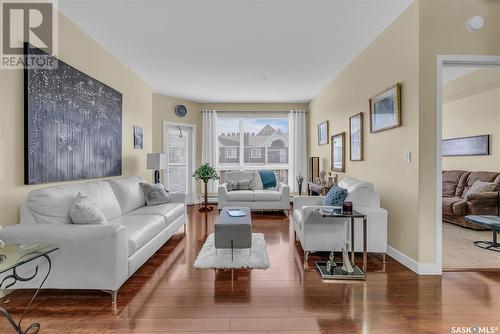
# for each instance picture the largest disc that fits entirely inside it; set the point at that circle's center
(73, 125)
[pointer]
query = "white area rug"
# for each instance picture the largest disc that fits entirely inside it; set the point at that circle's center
(243, 259)
(459, 251)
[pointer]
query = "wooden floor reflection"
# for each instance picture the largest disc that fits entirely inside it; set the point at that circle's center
(168, 295)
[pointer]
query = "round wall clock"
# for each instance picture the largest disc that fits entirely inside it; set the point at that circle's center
(181, 110)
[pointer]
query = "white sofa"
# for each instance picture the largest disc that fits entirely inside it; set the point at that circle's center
(258, 198)
(100, 257)
(316, 233)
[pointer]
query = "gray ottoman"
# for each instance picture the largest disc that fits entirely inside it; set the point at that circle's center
(233, 232)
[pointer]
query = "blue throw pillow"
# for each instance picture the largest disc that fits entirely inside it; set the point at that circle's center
(335, 196)
(268, 179)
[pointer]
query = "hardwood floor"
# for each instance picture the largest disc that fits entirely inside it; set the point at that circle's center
(168, 295)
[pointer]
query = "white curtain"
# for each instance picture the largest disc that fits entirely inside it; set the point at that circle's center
(209, 144)
(297, 154)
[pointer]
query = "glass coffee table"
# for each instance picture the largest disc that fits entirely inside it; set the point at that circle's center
(12, 256)
(336, 272)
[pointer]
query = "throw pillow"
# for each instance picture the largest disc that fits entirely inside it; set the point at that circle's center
(85, 211)
(480, 187)
(268, 179)
(155, 194)
(239, 185)
(335, 196)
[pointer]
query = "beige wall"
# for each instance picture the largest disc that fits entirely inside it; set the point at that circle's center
(472, 107)
(392, 57)
(79, 50)
(164, 110)
(443, 32)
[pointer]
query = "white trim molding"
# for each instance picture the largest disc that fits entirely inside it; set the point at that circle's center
(443, 61)
(419, 268)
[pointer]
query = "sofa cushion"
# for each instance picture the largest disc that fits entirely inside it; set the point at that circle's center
(448, 203)
(155, 194)
(140, 229)
(257, 181)
(239, 185)
(268, 179)
(128, 192)
(480, 187)
(241, 196)
(479, 176)
(239, 175)
(451, 181)
(51, 205)
(85, 211)
(335, 197)
(460, 208)
(267, 196)
(360, 193)
(169, 211)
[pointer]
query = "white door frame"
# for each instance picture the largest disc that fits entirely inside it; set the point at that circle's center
(191, 186)
(447, 61)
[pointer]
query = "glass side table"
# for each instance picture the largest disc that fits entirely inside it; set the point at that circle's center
(12, 256)
(336, 273)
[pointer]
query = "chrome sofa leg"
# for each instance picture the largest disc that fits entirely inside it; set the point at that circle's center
(306, 256)
(114, 295)
(384, 257)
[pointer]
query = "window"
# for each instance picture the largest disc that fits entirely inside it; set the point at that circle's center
(231, 153)
(256, 153)
(283, 155)
(246, 143)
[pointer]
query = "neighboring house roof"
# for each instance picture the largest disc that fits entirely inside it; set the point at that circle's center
(263, 138)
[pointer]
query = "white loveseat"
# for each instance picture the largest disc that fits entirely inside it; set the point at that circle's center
(258, 198)
(100, 257)
(316, 233)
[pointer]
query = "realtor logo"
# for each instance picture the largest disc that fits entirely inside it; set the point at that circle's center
(34, 22)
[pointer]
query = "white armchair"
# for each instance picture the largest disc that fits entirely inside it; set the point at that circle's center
(316, 233)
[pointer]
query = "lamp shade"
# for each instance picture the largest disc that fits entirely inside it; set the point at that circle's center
(157, 161)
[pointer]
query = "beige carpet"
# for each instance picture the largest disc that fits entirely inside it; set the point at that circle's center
(459, 251)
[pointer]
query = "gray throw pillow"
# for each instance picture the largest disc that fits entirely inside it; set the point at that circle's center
(84, 211)
(480, 187)
(155, 194)
(239, 185)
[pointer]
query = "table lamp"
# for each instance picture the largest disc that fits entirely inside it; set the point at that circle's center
(157, 162)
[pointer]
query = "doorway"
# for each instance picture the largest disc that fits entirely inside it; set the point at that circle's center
(179, 146)
(467, 120)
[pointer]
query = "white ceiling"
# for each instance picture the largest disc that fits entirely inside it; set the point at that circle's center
(235, 51)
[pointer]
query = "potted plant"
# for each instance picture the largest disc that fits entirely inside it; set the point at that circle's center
(300, 180)
(205, 173)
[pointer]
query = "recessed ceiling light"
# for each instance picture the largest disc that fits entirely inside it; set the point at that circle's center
(475, 23)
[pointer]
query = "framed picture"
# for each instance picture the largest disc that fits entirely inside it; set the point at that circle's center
(466, 146)
(138, 143)
(338, 152)
(385, 109)
(323, 133)
(356, 137)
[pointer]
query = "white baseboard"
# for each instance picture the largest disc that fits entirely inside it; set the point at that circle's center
(418, 267)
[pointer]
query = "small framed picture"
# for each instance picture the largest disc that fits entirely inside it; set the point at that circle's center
(138, 142)
(385, 109)
(356, 137)
(338, 152)
(323, 133)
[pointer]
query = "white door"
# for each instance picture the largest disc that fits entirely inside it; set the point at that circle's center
(178, 145)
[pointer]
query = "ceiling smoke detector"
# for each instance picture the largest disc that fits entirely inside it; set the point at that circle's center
(475, 23)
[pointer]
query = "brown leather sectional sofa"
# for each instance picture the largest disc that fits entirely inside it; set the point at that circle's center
(456, 206)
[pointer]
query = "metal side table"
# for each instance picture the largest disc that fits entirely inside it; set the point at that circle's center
(12, 256)
(337, 273)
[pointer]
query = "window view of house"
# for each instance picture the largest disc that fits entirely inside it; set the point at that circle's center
(262, 141)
